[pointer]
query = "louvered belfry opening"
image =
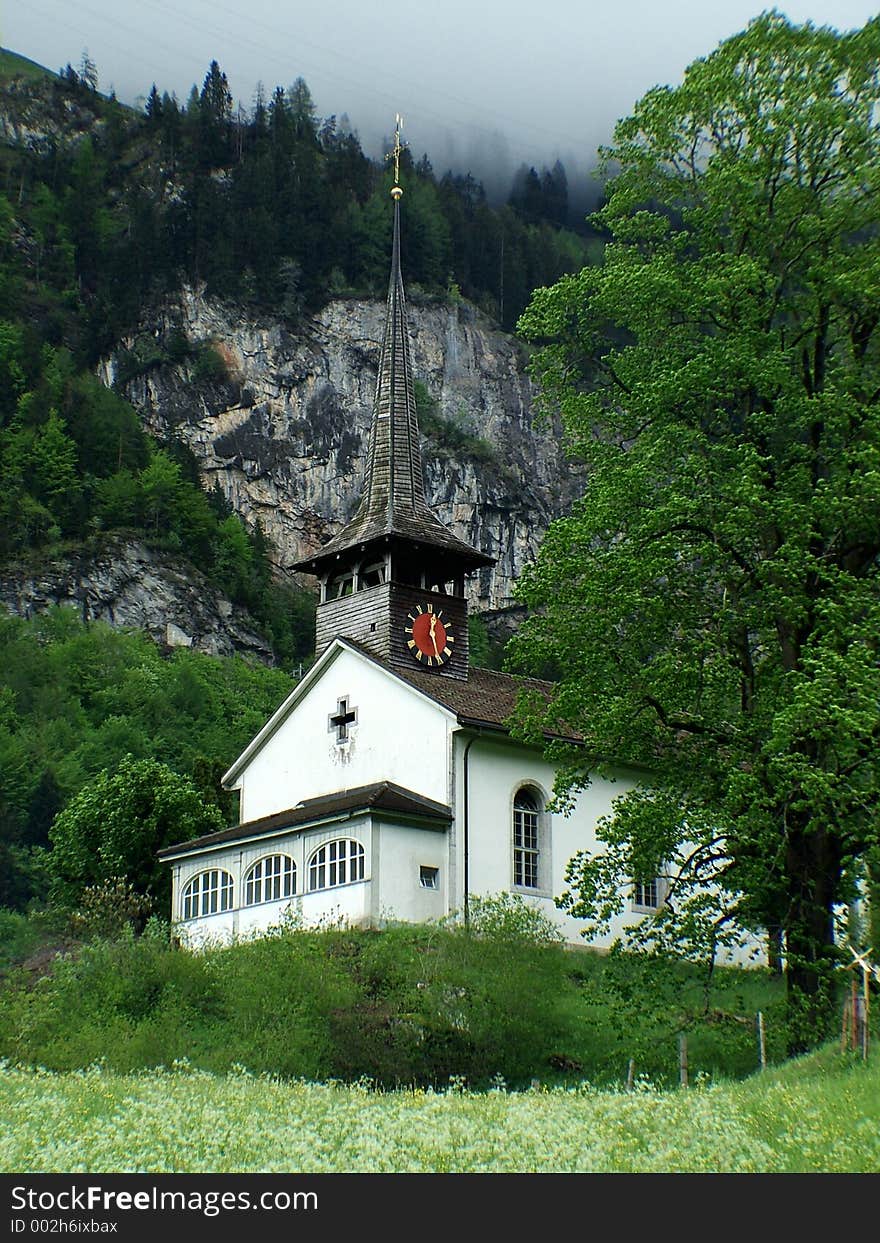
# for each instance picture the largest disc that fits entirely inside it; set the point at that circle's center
(394, 553)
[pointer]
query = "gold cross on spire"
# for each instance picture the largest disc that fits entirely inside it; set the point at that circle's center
(394, 154)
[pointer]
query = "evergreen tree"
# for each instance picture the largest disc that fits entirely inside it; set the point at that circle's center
(526, 197)
(302, 112)
(554, 186)
(153, 107)
(88, 73)
(215, 118)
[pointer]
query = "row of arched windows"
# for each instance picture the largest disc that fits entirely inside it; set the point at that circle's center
(274, 877)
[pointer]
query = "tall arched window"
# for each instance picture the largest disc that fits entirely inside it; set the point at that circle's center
(270, 879)
(207, 894)
(336, 863)
(526, 854)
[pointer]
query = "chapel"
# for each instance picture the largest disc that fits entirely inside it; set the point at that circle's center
(387, 785)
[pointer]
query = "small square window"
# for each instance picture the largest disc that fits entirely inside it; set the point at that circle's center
(429, 878)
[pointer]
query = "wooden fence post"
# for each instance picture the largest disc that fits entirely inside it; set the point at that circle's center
(861, 1028)
(682, 1059)
(844, 1026)
(630, 1074)
(762, 1048)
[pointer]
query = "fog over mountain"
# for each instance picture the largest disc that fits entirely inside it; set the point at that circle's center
(483, 87)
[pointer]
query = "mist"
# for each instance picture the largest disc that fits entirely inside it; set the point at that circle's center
(483, 88)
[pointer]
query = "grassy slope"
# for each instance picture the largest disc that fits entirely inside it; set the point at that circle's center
(333, 1004)
(820, 1114)
(12, 65)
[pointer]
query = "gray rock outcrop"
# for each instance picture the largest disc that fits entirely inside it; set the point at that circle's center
(285, 431)
(125, 583)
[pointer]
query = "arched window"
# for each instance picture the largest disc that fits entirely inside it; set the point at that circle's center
(336, 863)
(207, 894)
(270, 879)
(526, 854)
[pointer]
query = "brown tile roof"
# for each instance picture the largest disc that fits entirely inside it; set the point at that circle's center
(486, 698)
(380, 796)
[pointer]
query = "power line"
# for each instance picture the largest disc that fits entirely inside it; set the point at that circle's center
(414, 107)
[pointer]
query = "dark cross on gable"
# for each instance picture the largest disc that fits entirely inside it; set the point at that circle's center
(341, 719)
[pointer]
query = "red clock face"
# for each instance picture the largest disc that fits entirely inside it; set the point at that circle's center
(429, 636)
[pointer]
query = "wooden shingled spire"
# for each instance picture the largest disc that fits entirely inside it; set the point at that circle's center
(393, 507)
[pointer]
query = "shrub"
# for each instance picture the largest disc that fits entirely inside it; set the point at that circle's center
(109, 908)
(508, 917)
(18, 937)
(412, 1005)
(209, 365)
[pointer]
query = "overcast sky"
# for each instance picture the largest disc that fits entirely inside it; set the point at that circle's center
(548, 78)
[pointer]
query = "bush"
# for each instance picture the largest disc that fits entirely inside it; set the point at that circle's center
(132, 1002)
(279, 996)
(450, 437)
(109, 908)
(209, 365)
(412, 1005)
(19, 936)
(508, 917)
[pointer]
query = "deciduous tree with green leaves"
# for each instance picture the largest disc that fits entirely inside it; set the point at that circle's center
(713, 601)
(114, 826)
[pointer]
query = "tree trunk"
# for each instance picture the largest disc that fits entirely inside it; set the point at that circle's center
(814, 873)
(873, 879)
(775, 943)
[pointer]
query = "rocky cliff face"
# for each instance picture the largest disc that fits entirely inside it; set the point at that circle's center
(124, 583)
(285, 432)
(38, 115)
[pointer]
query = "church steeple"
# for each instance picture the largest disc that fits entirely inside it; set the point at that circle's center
(394, 541)
(394, 483)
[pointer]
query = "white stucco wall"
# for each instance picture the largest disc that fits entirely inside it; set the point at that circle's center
(399, 853)
(391, 888)
(496, 770)
(399, 736)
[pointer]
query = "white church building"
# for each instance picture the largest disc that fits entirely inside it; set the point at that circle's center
(387, 785)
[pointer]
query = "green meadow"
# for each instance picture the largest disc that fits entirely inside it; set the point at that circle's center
(821, 1113)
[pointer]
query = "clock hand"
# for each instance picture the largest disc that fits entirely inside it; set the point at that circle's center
(433, 637)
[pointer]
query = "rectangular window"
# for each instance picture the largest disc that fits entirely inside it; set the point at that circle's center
(646, 893)
(429, 878)
(372, 575)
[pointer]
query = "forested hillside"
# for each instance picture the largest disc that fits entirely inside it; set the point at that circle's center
(106, 213)
(75, 700)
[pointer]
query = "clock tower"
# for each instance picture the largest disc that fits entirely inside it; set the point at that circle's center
(393, 578)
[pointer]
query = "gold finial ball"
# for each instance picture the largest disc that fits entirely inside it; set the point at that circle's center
(396, 193)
